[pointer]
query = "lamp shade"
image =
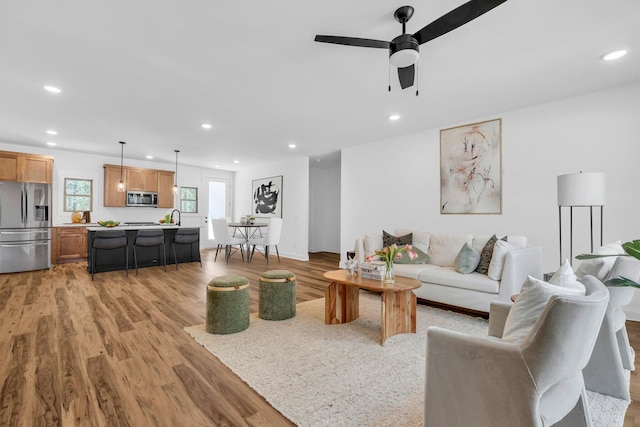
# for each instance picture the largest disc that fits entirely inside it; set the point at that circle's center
(581, 189)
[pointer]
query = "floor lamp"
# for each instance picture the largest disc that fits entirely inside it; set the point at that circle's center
(580, 190)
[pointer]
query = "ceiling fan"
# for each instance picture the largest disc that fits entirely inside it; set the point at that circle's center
(403, 50)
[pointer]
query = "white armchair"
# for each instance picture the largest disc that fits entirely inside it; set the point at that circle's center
(484, 381)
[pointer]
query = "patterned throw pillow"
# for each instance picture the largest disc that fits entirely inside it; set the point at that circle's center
(487, 254)
(390, 239)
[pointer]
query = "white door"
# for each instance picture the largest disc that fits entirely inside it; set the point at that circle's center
(217, 204)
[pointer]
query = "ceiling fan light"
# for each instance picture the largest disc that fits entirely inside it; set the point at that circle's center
(404, 58)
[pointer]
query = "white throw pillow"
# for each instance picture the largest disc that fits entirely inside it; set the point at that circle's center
(443, 248)
(372, 242)
(566, 278)
(600, 267)
(533, 297)
(496, 265)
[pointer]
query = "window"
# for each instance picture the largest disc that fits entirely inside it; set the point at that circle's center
(78, 195)
(189, 199)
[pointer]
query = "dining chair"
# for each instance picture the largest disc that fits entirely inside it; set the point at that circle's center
(222, 236)
(109, 240)
(272, 238)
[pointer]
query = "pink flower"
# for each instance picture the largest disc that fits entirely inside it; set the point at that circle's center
(412, 254)
(399, 255)
(370, 258)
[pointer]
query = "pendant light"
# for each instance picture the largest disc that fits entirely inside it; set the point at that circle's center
(175, 185)
(121, 183)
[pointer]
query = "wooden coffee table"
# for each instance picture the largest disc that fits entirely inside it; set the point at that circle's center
(342, 299)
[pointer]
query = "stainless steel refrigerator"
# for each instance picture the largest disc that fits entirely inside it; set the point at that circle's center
(25, 226)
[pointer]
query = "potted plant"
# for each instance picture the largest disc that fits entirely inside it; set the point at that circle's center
(631, 249)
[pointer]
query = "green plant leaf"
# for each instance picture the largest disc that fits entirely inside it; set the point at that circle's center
(632, 248)
(622, 281)
(593, 256)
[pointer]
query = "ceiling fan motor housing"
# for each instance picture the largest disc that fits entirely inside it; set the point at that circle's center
(404, 51)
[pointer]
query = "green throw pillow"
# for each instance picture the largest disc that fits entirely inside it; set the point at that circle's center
(421, 259)
(390, 239)
(467, 260)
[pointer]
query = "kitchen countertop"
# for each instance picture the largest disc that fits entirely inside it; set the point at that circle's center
(134, 227)
(77, 224)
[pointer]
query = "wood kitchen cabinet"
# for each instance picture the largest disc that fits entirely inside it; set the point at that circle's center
(165, 189)
(24, 167)
(142, 180)
(69, 244)
(113, 197)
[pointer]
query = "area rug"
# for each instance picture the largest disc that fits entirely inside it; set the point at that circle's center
(340, 375)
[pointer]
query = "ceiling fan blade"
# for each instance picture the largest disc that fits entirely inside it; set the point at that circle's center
(353, 41)
(456, 18)
(406, 76)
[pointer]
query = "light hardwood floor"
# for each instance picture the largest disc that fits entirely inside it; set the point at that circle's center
(113, 352)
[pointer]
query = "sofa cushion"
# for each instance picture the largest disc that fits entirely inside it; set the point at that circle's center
(529, 305)
(422, 258)
(389, 239)
(412, 270)
(420, 238)
(371, 243)
(467, 259)
(496, 265)
(486, 254)
(600, 267)
(481, 239)
(448, 276)
(443, 248)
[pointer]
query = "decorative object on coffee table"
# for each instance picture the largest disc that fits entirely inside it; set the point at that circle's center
(227, 305)
(388, 254)
(277, 295)
(470, 168)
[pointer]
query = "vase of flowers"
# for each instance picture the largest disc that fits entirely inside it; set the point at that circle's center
(388, 254)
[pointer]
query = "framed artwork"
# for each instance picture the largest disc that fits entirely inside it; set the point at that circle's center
(471, 168)
(267, 197)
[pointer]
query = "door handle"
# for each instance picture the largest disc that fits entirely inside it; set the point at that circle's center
(22, 245)
(24, 232)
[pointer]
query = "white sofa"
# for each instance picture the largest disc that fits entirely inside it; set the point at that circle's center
(443, 284)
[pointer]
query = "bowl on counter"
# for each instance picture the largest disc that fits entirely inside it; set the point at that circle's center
(109, 223)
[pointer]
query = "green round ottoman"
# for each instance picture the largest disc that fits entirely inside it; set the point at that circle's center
(227, 305)
(277, 295)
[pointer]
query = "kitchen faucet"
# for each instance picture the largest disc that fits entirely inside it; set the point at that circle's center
(179, 216)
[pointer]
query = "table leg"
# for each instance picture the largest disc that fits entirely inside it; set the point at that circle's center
(341, 303)
(398, 314)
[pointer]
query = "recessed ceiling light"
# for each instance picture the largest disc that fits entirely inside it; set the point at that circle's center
(236, 161)
(149, 157)
(614, 55)
(52, 89)
(394, 117)
(206, 126)
(51, 143)
(52, 132)
(292, 145)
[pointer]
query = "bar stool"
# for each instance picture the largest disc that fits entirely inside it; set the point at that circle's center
(149, 239)
(186, 236)
(109, 240)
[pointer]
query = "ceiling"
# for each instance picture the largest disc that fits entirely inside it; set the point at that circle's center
(150, 72)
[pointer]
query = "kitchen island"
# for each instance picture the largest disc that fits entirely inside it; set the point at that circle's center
(110, 260)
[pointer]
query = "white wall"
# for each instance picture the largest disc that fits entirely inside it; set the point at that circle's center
(324, 209)
(395, 183)
(68, 164)
(294, 241)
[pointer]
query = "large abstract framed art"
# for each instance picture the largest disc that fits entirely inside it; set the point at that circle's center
(267, 197)
(471, 168)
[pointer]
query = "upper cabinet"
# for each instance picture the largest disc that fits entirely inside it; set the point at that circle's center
(113, 197)
(165, 189)
(137, 179)
(142, 179)
(24, 167)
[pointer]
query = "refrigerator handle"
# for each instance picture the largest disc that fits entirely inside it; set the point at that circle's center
(22, 205)
(26, 205)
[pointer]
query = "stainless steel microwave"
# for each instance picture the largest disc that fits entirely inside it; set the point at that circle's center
(142, 198)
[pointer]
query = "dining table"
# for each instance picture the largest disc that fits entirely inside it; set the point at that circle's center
(247, 230)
